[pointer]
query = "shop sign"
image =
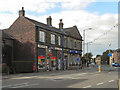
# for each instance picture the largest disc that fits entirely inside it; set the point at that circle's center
(73, 51)
(56, 48)
(50, 54)
(53, 57)
(42, 46)
(41, 57)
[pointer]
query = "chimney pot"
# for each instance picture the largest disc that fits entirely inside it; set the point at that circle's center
(49, 21)
(22, 12)
(61, 24)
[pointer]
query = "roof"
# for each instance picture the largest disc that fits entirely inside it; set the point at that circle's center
(73, 32)
(67, 31)
(42, 25)
(5, 35)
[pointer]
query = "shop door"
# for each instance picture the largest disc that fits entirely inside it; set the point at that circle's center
(65, 62)
(41, 58)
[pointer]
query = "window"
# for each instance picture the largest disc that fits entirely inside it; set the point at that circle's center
(78, 45)
(52, 39)
(75, 45)
(41, 36)
(59, 40)
(71, 44)
(65, 42)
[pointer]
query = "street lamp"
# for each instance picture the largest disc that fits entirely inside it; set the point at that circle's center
(84, 39)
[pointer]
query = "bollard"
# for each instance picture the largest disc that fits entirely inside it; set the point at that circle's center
(99, 68)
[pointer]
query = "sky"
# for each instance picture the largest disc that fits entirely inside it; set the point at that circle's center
(100, 15)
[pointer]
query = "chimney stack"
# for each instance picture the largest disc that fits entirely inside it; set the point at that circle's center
(22, 12)
(49, 21)
(61, 24)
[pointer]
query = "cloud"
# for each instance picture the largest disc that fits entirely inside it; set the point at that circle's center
(75, 5)
(72, 13)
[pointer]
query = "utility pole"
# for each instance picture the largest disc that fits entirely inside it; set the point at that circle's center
(84, 39)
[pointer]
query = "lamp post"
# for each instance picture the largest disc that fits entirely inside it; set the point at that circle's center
(84, 39)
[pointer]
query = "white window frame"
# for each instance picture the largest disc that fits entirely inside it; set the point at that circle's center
(41, 36)
(52, 39)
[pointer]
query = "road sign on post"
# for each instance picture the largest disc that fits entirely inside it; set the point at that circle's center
(109, 55)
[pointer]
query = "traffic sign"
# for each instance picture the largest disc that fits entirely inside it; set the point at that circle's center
(77, 59)
(109, 55)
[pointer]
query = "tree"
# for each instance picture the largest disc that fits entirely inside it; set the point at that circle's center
(88, 56)
(105, 58)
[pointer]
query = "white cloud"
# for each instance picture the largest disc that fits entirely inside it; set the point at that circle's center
(78, 4)
(72, 15)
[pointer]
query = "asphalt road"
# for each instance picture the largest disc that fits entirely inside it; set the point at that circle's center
(85, 78)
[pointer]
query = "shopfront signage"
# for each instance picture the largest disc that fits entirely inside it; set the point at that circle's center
(73, 51)
(56, 48)
(53, 57)
(42, 46)
(50, 54)
(41, 57)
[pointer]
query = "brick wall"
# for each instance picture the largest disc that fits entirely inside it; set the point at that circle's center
(23, 32)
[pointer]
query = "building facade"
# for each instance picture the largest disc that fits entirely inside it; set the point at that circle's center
(40, 47)
(98, 60)
(115, 58)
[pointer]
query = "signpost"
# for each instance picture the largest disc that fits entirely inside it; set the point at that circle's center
(109, 54)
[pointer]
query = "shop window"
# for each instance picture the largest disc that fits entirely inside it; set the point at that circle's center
(41, 62)
(41, 36)
(52, 39)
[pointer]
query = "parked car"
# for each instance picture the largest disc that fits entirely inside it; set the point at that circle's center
(92, 63)
(115, 65)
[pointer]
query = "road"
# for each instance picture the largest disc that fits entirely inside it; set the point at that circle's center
(85, 78)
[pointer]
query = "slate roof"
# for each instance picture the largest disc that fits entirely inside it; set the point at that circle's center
(45, 26)
(71, 31)
(5, 35)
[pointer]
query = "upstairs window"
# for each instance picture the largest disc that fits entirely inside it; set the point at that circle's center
(59, 40)
(71, 44)
(65, 42)
(78, 45)
(41, 36)
(52, 39)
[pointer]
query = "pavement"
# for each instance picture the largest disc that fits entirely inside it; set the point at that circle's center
(83, 78)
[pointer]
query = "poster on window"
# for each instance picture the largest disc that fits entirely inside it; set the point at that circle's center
(41, 62)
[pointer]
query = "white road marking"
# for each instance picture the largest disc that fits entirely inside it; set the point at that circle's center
(111, 81)
(24, 85)
(87, 86)
(99, 83)
(14, 85)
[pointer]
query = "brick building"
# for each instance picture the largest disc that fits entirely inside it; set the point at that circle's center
(38, 46)
(115, 58)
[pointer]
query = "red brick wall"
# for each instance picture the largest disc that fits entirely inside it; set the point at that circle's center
(23, 32)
